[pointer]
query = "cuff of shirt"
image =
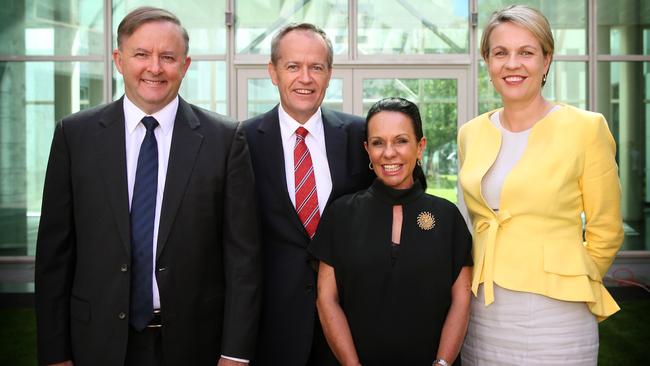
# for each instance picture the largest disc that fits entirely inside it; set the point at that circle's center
(235, 359)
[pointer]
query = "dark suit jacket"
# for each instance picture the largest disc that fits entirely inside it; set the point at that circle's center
(288, 306)
(208, 256)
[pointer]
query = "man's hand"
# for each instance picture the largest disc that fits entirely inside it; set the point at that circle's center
(227, 362)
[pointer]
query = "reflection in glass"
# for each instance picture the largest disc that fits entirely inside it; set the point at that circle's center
(52, 27)
(437, 101)
(258, 20)
(263, 96)
(624, 27)
(568, 21)
(204, 85)
(204, 20)
(33, 95)
(566, 83)
(413, 27)
(624, 99)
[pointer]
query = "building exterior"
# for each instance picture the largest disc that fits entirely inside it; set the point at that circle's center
(55, 59)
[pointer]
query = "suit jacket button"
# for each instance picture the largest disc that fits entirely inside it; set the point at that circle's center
(309, 287)
(121, 316)
(124, 267)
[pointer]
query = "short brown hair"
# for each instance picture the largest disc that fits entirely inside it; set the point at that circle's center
(145, 14)
(307, 27)
(526, 17)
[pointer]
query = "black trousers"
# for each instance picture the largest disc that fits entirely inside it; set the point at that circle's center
(144, 348)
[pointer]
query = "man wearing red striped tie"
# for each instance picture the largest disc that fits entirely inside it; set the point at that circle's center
(304, 156)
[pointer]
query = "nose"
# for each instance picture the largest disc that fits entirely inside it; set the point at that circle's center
(305, 75)
(389, 151)
(154, 65)
(512, 62)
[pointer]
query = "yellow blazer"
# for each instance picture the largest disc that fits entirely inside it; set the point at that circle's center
(535, 241)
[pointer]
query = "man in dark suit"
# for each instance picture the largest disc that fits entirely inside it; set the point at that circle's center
(148, 252)
(296, 145)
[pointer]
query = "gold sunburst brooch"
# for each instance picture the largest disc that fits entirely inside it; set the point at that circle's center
(426, 221)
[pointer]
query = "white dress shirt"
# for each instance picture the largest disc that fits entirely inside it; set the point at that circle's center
(134, 133)
(315, 141)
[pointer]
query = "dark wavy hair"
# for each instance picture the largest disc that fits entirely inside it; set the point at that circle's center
(409, 109)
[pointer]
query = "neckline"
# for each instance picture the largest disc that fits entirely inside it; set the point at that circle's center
(396, 196)
(556, 107)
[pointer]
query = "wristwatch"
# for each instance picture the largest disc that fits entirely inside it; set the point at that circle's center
(441, 362)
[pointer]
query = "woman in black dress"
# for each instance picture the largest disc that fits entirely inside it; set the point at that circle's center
(394, 275)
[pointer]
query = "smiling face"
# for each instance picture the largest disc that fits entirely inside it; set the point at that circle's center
(301, 73)
(516, 63)
(153, 63)
(393, 148)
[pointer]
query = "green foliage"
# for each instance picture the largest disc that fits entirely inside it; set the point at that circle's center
(17, 337)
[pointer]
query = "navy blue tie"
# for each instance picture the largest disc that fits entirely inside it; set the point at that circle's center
(143, 211)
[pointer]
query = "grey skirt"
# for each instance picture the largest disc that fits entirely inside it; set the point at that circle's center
(522, 328)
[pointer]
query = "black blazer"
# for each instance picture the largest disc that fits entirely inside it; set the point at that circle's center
(208, 255)
(288, 306)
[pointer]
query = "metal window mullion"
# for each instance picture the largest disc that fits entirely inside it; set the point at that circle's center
(592, 29)
(108, 48)
(231, 73)
(353, 31)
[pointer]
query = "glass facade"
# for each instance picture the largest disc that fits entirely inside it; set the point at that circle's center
(55, 60)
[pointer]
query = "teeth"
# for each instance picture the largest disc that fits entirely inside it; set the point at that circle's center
(303, 91)
(514, 78)
(391, 167)
(155, 82)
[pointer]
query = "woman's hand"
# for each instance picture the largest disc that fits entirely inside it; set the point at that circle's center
(455, 327)
(331, 315)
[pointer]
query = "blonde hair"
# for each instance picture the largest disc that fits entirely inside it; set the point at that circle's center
(526, 17)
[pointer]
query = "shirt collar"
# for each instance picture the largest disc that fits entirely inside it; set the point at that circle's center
(288, 125)
(165, 117)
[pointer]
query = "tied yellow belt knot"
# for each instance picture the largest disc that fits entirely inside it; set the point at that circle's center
(485, 253)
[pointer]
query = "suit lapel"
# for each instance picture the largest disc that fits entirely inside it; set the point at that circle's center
(110, 142)
(336, 146)
(270, 143)
(185, 146)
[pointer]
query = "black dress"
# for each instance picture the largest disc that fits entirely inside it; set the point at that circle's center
(395, 299)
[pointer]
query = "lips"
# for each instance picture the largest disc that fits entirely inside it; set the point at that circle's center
(153, 82)
(304, 91)
(391, 168)
(514, 79)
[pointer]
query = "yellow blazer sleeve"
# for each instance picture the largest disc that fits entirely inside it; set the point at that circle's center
(601, 196)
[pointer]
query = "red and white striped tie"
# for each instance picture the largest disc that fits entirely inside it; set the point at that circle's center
(306, 196)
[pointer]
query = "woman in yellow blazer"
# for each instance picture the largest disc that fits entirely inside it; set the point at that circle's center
(541, 185)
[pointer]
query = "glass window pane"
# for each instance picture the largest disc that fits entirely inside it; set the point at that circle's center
(624, 27)
(437, 101)
(204, 20)
(566, 83)
(52, 27)
(413, 27)
(568, 21)
(624, 100)
(263, 96)
(204, 85)
(33, 96)
(258, 20)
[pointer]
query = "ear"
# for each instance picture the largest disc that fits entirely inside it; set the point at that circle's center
(547, 63)
(273, 73)
(422, 145)
(186, 65)
(117, 58)
(365, 146)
